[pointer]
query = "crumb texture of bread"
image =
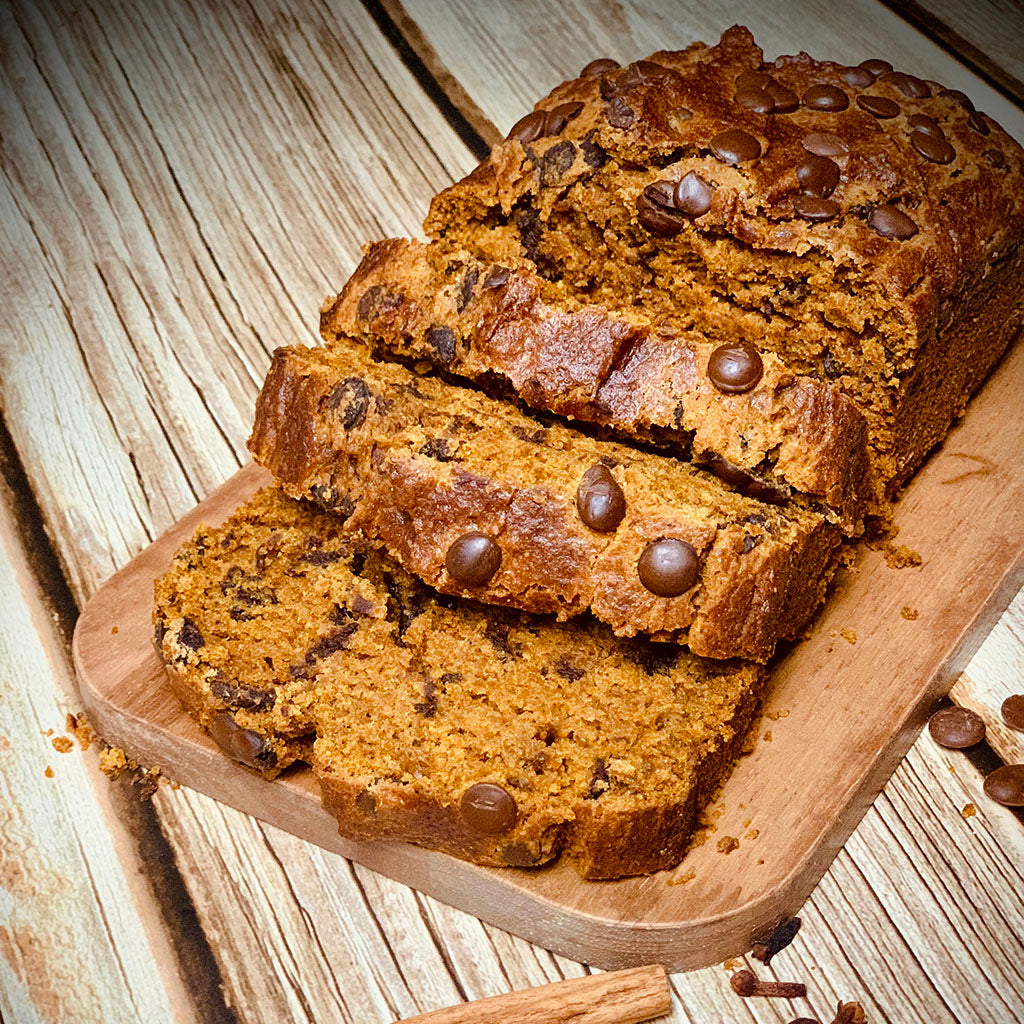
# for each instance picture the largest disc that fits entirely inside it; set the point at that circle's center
(601, 749)
(863, 224)
(420, 467)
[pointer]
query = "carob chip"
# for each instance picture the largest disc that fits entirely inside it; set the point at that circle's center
(961, 99)
(926, 124)
(876, 66)
(655, 209)
(528, 128)
(891, 223)
(352, 398)
(569, 111)
(956, 728)
(668, 567)
(599, 500)
(878, 106)
(599, 67)
(1006, 785)
(473, 559)
(1012, 710)
(465, 292)
(692, 195)
(825, 144)
(784, 101)
(859, 78)
(488, 808)
(907, 84)
(753, 80)
(814, 209)
(735, 367)
(755, 98)
(939, 151)
(241, 744)
(979, 123)
(735, 146)
(817, 175)
(826, 97)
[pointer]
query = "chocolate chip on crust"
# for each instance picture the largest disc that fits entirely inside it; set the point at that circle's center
(242, 744)
(239, 697)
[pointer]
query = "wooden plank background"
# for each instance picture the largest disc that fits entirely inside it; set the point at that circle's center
(179, 192)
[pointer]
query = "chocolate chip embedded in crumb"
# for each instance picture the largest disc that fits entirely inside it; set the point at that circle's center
(735, 146)
(655, 209)
(488, 808)
(878, 106)
(956, 728)
(496, 633)
(599, 67)
(555, 162)
(654, 657)
(668, 567)
(939, 151)
(735, 367)
(1006, 785)
(825, 97)
(815, 209)
(599, 781)
(366, 803)
(428, 706)
(817, 175)
(519, 855)
(692, 195)
(599, 500)
(239, 697)
(891, 223)
(436, 448)
(267, 551)
(619, 113)
(375, 300)
(190, 636)
(466, 287)
(764, 947)
(529, 127)
(442, 340)
(567, 670)
(241, 744)
(350, 398)
(593, 155)
(473, 559)
(1012, 710)
(331, 643)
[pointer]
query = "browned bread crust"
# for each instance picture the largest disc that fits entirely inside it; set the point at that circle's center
(417, 465)
(785, 435)
(864, 224)
(607, 749)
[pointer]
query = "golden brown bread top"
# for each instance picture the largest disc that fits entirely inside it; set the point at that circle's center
(881, 154)
(614, 367)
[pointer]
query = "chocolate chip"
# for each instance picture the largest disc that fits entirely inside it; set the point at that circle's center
(619, 113)
(529, 127)
(878, 106)
(752, 80)
(331, 643)
(376, 300)
(241, 744)
(496, 633)
(994, 157)
(567, 670)
(488, 808)
(267, 551)
(907, 84)
(939, 151)
(784, 101)
(329, 497)
(814, 209)
(442, 340)
(766, 946)
(1006, 785)
(754, 98)
(1013, 711)
(692, 195)
(735, 367)
(668, 567)
(436, 448)
(599, 500)
(570, 111)
(520, 855)
(959, 98)
(497, 277)
(599, 67)
(891, 223)
(555, 162)
(654, 657)
(351, 397)
(599, 781)
(979, 123)
(366, 803)
(859, 78)
(956, 728)
(734, 146)
(650, 71)
(743, 481)
(320, 557)
(826, 97)
(428, 706)
(593, 155)
(825, 144)
(876, 66)
(818, 175)
(655, 209)
(239, 697)
(554, 122)
(189, 635)
(473, 559)
(926, 124)
(530, 232)
(465, 293)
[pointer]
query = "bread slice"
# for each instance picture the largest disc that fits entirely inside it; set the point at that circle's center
(863, 224)
(478, 499)
(771, 432)
(495, 736)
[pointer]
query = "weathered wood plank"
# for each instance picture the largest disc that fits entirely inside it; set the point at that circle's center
(506, 57)
(79, 935)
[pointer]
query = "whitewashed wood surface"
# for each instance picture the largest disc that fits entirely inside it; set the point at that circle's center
(179, 192)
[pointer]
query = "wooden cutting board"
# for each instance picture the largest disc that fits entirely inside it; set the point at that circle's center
(842, 710)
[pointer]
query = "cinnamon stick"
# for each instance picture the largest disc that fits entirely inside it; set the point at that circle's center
(617, 997)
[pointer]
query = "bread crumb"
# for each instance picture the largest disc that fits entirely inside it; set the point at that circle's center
(909, 613)
(899, 556)
(760, 860)
(62, 744)
(752, 834)
(113, 630)
(79, 727)
(113, 761)
(774, 716)
(49, 772)
(767, 736)
(848, 635)
(733, 964)
(727, 844)
(969, 811)
(683, 879)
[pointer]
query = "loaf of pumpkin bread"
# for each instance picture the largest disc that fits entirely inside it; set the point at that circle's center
(498, 737)
(741, 413)
(478, 499)
(859, 222)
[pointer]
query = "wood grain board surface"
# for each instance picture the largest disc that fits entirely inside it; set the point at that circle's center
(177, 193)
